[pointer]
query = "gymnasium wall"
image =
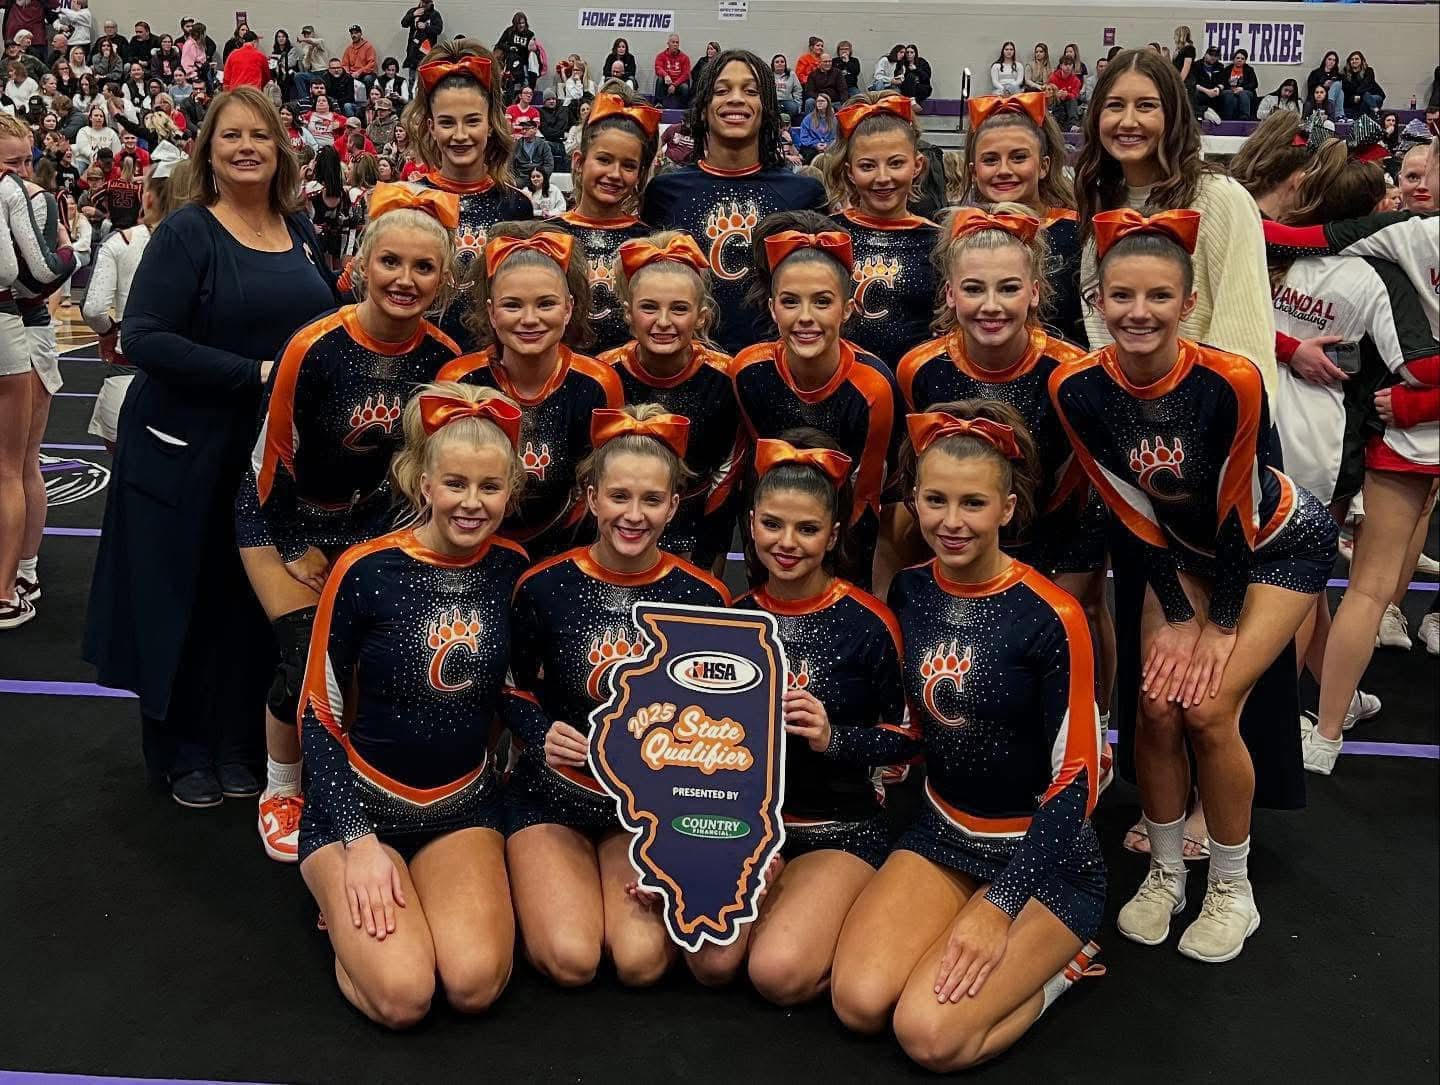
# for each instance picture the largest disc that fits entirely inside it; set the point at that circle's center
(1400, 40)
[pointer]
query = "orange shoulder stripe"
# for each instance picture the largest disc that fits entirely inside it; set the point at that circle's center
(461, 367)
(603, 375)
(548, 563)
(911, 364)
(702, 575)
(440, 337)
(870, 480)
(280, 414)
(1240, 481)
(881, 611)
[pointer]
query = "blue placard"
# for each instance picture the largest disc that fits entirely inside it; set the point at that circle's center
(691, 745)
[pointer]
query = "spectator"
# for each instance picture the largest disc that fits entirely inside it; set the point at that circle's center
(339, 86)
(194, 53)
(678, 143)
(572, 137)
(1362, 93)
(620, 50)
(425, 25)
(513, 50)
(618, 74)
(672, 76)
(1073, 52)
(359, 57)
(789, 153)
(916, 83)
(1237, 98)
(1006, 77)
(187, 28)
(531, 152)
(712, 50)
(391, 83)
(133, 86)
(846, 62)
(890, 70)
(1184, 55)
(139, 46)
(78, 22)
(1286, 97)
(381, 128)
(1209, 82)
(15, 50)
(89, 93)
(59, 48)
(247, 66)
(354, 142)
(299, 135)
(242, 34)
(165, 57)
(111, 34)
(1065, 104)
(1037, 72)
(71, 119)
(787, 87)
(20, 88)
(818, 130)
(554, 123)
(1390, 131)
(65, 81)
(321, 121)
(79, 61)
(1328, 75)
(285, 62)
(1087, 90)
(312, 62)
(331, 206)
(825, 79)
(26, 16)
(1319, 102)
(808, 61)
(573, 82)
(179, 88)
(547, 201)
(196, 106)
(523, 109)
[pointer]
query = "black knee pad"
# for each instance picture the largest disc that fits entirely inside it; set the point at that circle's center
(292, 638)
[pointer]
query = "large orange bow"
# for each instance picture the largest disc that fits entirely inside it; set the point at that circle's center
(551, 243)
(432, 71)
(771, 453)
(444, 207)
(1181, 226)
(972, 220)
(671, 430)
(680, 250)
(926, 429)
(852, 115)
(1031, 103)
(835, 242)
(612, 105)
(439, 411)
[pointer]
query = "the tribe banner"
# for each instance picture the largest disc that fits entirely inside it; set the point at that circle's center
(692, 747)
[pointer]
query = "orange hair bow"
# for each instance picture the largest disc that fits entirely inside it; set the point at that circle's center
(444, 207)
(1031, 103)
(680, 250)
(432, 71)
(671, 430)
(852, 115)
(439, 411)
(771, 453)
(926, 429)
(835, 242)
(972, 220)
(551, 243)
(1181, 226)
(612, 105)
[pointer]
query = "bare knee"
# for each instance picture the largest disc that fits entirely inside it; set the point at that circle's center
(567, 960)
(401, 999)
(1213, 721)
(861, 1002)
(640, 966)
(782, 975)
(939, 1041)
(713, 969)
(1160, 719)
(472, 986)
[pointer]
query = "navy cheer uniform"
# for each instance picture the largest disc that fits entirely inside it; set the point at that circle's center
(482, 205)
(601, 242)
(1062, 236)
(859, 408)
(702, 392)
(319, 471)
(570, 625)
(895, 283)
(1067, 538)
(720, 209)
(1184, 463)
(1001, 677)
(554, 438)
(843, 647)
(424, 641)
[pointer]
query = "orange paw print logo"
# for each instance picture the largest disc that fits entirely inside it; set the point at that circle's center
(602, 288)
(606, 650)
(1163, 459)
(468, 245)
(798, 679)
(373, 414)
(535, 460)
(940, 665)
(726, 223)
(447, 633)
(883, 270)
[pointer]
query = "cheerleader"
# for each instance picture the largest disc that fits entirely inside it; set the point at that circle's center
(457, 124)
(738, 179)
(874, 170)
(663, 284)
(843, 709)
(317, 478)
(400, 841)
(532, 303)
(1177, 439)
(569, 858)
(994, 347)
(617, 150)
(810, 376)
(1016, 154)
(982, 915)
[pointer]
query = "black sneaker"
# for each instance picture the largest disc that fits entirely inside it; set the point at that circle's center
(15, 612)
(197, 790)
(238, 782)
(30, 589)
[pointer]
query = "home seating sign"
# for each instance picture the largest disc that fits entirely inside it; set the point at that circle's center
(691, 745)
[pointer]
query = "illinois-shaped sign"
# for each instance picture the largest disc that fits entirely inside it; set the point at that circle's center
(692, 746)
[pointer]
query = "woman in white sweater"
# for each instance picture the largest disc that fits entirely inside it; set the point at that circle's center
(96, 134)
(1006, 75)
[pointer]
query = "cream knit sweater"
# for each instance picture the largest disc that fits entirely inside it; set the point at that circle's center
(1232, 284)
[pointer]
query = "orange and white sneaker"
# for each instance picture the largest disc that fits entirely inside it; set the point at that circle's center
(280, 826)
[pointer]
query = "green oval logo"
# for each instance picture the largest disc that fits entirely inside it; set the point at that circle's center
(710, 826)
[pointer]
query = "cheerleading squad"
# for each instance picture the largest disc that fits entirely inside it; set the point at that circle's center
(604, 401)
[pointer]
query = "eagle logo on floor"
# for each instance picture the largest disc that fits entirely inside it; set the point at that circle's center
(69, 480)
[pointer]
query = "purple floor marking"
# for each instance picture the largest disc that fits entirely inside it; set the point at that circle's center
(78, 532)
(78, 395)
(25, 1077)
(77, 448)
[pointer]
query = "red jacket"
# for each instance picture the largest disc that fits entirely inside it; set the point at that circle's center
(247, 66)
(675, 65)
(1070, 84)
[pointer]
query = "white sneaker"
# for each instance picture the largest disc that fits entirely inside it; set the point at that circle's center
(1394, 629)
(1363, 706)
(1427, 565)
(1226, 919)
(16, 612)
(1318, 752)
(1212, 116)
(1429, 633)
(1146, 918)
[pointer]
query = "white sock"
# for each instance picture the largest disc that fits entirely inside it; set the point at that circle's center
(1167, 844)
(1229, 862)
(29, 567)
(280, 778)
(1054, 987)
